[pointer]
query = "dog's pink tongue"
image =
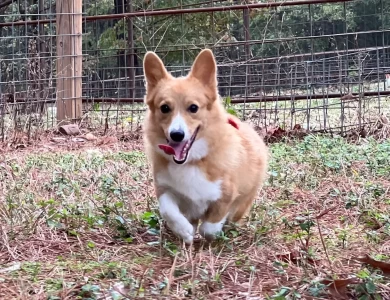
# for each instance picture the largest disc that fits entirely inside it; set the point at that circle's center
(175, 149)
(167, 149)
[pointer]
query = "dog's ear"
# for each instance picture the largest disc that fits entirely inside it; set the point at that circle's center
(154, 70)
(204, 69)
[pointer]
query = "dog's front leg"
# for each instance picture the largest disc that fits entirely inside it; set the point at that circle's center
(177, 222)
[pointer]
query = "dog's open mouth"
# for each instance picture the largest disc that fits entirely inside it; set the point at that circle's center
(179, 150)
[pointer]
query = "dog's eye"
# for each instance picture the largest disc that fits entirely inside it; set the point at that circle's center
(165, 109)
(193, 108)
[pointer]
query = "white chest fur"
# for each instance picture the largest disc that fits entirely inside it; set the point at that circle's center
(191, 186)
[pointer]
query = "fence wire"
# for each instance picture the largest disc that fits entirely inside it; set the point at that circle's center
(321, 64)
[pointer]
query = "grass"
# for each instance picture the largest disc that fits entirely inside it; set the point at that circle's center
(85, 225)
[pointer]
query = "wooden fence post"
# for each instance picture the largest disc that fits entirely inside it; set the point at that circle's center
(69, 60)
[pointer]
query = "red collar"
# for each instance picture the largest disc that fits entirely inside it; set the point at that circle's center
(233, 123)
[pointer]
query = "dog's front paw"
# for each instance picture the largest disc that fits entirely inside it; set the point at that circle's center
(176, 221)
(210, 230)
(184, 230)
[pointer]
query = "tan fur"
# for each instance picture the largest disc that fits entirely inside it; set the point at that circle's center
(238, 157)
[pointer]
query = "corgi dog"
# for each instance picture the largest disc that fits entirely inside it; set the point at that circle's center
(207, 165)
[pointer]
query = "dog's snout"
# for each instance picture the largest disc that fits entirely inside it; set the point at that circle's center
(177, 135)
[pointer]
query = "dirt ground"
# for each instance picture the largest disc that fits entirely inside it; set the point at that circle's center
(79, 220)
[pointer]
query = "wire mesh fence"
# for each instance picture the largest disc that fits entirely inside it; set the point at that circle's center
(321, 64)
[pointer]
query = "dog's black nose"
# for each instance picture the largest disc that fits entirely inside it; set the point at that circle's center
(177, 135)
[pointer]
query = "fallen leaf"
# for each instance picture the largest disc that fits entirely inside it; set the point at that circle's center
(369, 222)
(90, 137)
(78, 140)
(58, 139)
(275, 131)
(384, 266)
(70, 129)
(14, 267)
(108, 140)
(384, 120)
(290, 256)
(326, 211)
(338, 287)
(279, 132)
(363, 133)
(297, 127)
(20, 146)
(293, 257)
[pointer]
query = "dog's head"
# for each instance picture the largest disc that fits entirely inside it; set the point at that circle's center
(181, 108)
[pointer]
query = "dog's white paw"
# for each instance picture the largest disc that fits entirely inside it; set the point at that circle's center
(210, 230)
(184, 230)
(176, 221)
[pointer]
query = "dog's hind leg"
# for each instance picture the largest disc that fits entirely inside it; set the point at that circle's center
(242, 205)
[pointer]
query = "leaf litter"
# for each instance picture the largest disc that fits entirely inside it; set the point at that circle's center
(279, 251)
